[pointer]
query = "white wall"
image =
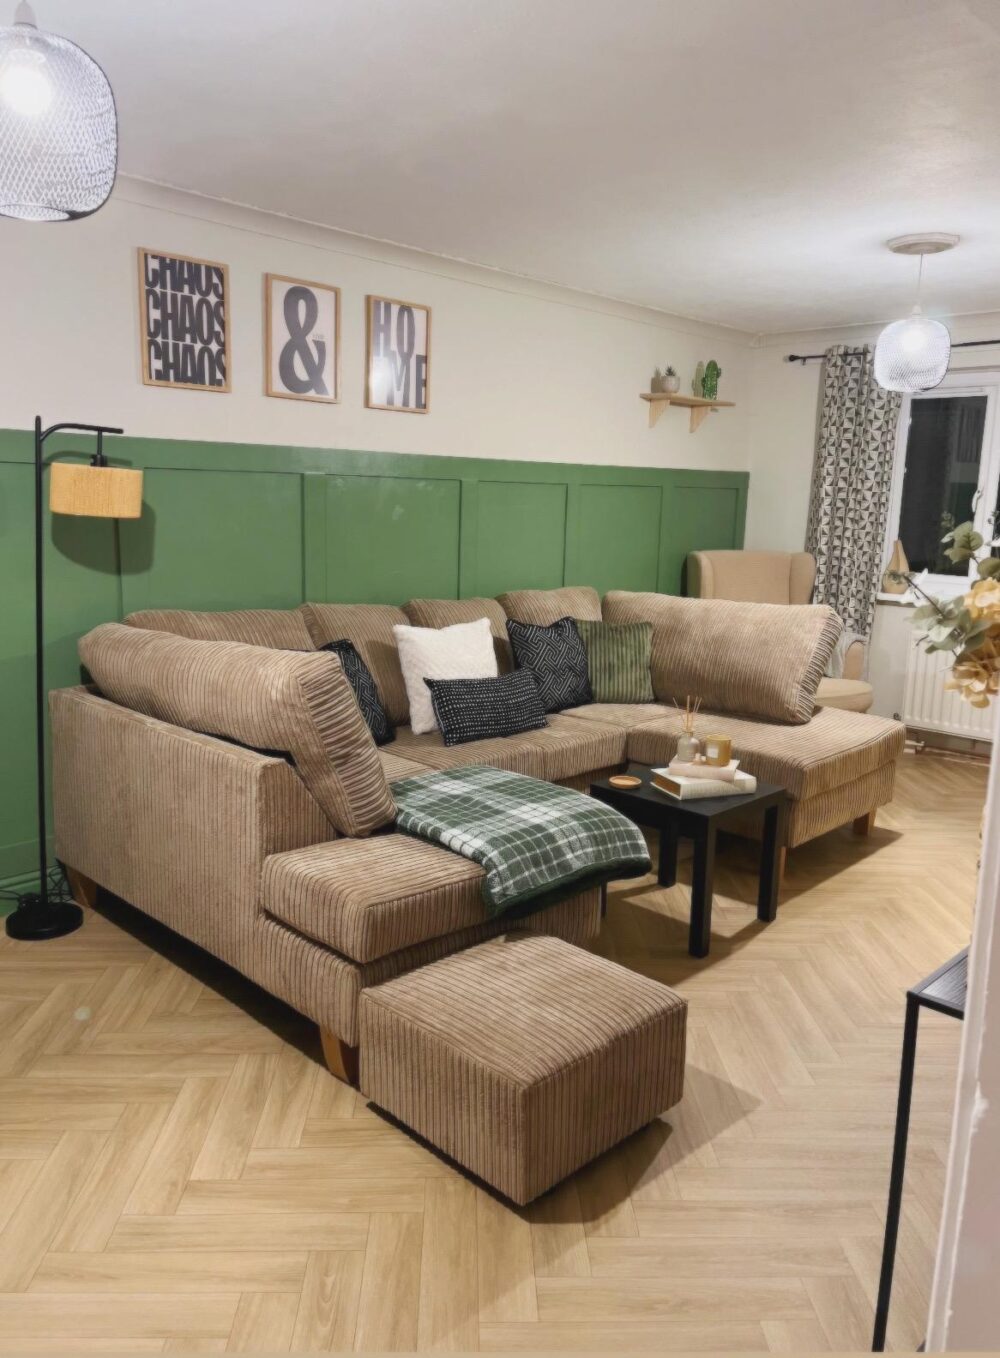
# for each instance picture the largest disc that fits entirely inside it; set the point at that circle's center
(518, 369)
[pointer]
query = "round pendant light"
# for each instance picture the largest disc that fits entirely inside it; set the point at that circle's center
(58, 126)
(912, 355)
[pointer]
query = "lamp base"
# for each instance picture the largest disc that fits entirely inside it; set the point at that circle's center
(35, 918)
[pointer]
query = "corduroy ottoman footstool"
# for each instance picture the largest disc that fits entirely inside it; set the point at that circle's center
(522, 1058)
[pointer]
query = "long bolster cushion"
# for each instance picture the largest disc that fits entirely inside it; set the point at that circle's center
(757, 660)
(267, 699)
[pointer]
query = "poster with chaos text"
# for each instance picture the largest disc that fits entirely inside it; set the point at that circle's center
(183, 317)
(302, 327)
(398, 370)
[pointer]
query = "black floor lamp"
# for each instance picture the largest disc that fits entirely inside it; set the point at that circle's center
(97, 491)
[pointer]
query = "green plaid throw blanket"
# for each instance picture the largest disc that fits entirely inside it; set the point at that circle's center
(538, 842)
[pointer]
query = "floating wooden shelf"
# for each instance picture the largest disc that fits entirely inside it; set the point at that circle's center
(699, 407)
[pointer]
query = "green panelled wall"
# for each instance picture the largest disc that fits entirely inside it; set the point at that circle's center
(238, 525)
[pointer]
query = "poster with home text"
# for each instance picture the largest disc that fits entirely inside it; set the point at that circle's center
(398, 367)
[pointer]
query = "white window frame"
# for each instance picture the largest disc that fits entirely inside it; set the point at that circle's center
(961, 382)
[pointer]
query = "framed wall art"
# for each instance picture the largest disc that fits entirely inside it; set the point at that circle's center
(397, 372)
(301, 339)
(184, 321)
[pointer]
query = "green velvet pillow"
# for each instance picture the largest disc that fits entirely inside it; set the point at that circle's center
(618, 661)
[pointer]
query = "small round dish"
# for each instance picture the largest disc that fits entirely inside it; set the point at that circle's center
(624, 780)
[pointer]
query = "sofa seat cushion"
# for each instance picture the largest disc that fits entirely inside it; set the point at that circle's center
(300, 704)
(562, 749)
(369, 626)
(283, 629)
(834, 748)
(544, 606)
(446, 612)
(369, 897)
(523, 1058)
(854, 695)
(623, 715)
(395, 768)
(759, 660)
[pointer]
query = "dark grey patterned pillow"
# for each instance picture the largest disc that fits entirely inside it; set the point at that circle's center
(556, 658)
(481, 709)
(359, 676)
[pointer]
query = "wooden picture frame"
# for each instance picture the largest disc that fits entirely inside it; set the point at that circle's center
(416, 379)
(186, 355)
(275, 330)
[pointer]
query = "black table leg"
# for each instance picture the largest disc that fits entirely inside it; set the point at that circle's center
(666, 873)
(770, 864)
(699, 934)
(897, 1173)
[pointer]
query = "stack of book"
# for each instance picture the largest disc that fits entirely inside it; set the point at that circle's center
(689, 781)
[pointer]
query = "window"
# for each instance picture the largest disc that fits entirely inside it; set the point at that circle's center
(946, 472)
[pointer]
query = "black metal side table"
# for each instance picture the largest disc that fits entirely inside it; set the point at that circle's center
(944, 991)
(700, 820)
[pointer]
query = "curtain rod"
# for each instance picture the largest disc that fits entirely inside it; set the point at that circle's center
(809, 358)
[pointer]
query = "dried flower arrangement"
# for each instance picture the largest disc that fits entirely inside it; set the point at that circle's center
(967, 625)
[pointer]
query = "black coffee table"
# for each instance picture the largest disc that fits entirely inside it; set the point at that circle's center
(700, 820)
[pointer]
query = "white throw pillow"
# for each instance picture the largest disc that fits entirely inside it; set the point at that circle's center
(463, 651)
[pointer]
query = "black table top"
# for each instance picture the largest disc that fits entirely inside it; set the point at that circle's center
(944, 990)
(646, 804)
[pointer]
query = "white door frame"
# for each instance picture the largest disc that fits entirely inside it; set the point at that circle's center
(965, 1299)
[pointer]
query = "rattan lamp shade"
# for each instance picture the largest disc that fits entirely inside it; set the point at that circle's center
(95, 492)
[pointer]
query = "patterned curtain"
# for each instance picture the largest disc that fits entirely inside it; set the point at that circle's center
(852, 477)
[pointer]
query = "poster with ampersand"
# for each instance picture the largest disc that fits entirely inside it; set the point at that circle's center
(302, 329)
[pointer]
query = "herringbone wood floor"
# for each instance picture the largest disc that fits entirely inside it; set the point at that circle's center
(178, 1172)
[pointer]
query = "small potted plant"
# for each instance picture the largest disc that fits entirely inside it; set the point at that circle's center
(671, 382)
(658, 379)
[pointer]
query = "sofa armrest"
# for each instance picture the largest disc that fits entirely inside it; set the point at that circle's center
(176, 823)
(854, 661)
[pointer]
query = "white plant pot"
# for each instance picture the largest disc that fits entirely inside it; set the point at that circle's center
(671, 385)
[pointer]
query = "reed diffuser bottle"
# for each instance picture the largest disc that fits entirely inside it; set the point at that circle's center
(688, 744)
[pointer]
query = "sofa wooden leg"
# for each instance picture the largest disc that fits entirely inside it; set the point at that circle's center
(83, 888)
(341, 1060)
(864, 824)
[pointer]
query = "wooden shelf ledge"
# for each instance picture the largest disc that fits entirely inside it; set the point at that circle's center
(698, 405)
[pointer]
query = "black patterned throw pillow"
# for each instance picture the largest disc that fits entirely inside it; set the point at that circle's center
(481, 709)
(556, 658)
(359, 676)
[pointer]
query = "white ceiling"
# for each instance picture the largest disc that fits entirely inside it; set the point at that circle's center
(736, 161)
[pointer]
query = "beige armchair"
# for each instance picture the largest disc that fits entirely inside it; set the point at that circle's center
(778, 578)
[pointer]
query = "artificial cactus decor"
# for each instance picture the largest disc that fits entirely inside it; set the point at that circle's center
(710, 381)
(657, 383)
(699, 378)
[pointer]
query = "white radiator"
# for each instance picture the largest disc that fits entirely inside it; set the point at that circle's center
(929, 706)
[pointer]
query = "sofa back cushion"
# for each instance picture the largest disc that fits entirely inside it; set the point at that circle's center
(369, 626)
(284, 629)
(545, 606)
(446, 612)
(757, 660)
(266, 699)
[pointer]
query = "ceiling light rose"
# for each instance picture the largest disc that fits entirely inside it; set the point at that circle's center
(58, 126)
(912, 355)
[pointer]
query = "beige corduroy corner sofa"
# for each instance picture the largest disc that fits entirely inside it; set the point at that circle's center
(216, 774)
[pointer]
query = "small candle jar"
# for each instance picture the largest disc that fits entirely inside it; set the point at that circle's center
(718, 751)
(688, 747)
